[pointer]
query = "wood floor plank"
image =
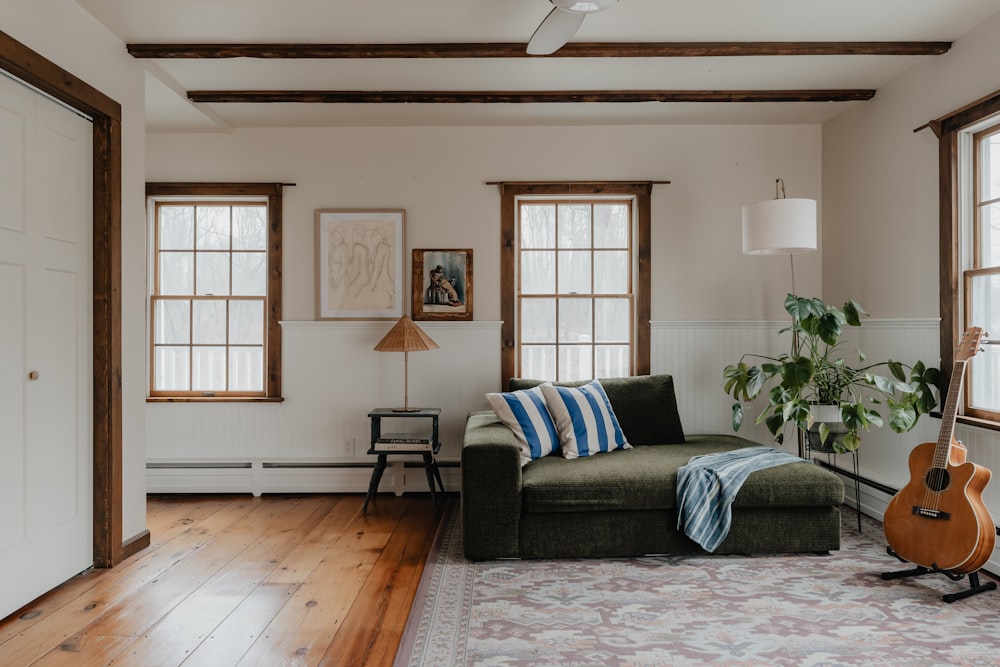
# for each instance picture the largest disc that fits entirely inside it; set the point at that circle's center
(112, 587)
(231, 640)
(165, 519)
(302, 631)
(269, 581)
(297, 567)
(370, 634)
(175, 637)
(158, 597)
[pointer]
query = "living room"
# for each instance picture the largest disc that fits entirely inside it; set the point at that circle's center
(874, 178)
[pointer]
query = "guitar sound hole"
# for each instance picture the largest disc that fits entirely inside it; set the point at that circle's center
(938, 479)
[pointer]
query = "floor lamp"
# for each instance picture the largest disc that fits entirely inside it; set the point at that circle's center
(406, 337)
(781, 226)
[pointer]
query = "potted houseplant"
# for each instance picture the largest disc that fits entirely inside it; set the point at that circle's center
(816, 374)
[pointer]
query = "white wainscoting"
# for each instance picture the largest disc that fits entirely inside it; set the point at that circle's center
(315, 441)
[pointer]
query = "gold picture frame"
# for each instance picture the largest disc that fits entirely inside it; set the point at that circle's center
(442, 284)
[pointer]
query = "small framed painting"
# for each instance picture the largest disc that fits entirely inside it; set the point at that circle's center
(359, 264)
(442, 284)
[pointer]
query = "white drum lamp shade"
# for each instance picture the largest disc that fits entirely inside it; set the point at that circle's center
(779, 227)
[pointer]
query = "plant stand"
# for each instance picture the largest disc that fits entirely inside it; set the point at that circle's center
(975, 587)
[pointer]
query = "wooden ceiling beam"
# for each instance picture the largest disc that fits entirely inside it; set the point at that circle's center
(519, 50)
(523, 97)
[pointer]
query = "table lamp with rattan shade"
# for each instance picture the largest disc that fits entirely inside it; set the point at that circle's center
(406, 337)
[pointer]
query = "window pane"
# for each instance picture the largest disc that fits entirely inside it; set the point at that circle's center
(574, 272)
(574, 226)
(538, 362)
(249, 273)
(575, 362)
(246, 369)
(991, 167)
(538, 226)
(246, 323)
(984, 376)
(176, 227)
(611, 361)
(612, 323)
(989, 235)
(538, 272)
(209, 326)
(212, 228)
(250, 228)
(611, 272)
(985, 366)
(213, 273)
(208, 369)
(172, 369)
(176, 273)
(172, 320)
(538, 321)
(575, 320)
(611, 226)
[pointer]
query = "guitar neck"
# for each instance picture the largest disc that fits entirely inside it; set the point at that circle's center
(943, 450)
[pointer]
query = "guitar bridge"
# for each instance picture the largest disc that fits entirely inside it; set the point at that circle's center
(928, 513)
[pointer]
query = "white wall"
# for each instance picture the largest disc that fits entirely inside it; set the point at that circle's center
(438, 175)
(880, 207)
(70, 37)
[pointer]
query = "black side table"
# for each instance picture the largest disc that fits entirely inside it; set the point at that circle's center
(385, 443)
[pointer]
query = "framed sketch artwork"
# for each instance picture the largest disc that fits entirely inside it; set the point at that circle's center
(442, 284)
(359, 264)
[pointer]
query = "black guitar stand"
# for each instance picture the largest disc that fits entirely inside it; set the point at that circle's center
(975, 587)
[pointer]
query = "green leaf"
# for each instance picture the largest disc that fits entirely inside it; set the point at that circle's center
(850, 443)
(896, 369)
(775, 424)
(737, 415)
(853, 312)
(902, 417)
(829, 328)
(824, 432)
(796, 373)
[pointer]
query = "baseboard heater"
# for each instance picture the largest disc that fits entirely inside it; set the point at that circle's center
(867, 481)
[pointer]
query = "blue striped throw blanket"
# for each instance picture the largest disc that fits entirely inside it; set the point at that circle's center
(708, 484)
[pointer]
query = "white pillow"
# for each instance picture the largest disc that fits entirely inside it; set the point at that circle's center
(525, 413)
(584, 419)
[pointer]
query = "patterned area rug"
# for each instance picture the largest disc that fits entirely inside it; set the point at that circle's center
(820, 610)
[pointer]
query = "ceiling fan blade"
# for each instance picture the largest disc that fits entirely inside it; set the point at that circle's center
(557, 29)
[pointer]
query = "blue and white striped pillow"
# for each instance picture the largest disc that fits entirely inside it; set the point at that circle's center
(584, 419)
(525, 413)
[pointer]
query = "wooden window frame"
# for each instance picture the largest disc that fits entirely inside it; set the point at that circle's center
(640, 191)
(949, 130)
(272, 347)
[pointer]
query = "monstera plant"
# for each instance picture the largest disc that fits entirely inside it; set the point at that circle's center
(815, 372)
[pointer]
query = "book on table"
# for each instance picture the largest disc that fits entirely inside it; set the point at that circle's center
(398, 442)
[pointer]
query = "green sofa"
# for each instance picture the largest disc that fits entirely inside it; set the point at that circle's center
(623, 502)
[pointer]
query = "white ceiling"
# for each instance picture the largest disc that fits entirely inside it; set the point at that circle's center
(432, 21)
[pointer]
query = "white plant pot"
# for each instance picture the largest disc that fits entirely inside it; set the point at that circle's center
(829, 415)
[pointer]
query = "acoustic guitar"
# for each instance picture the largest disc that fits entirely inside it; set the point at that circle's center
(938, 520)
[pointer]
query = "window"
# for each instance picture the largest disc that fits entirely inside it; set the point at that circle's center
(215, 291)
(970, 248)
(981, 280)
(575, 280)
(574, 289)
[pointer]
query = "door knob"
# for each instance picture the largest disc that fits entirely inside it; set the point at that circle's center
(33, 375)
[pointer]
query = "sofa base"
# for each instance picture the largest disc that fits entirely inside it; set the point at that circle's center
(639, 533)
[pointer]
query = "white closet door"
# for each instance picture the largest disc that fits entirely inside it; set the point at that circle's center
(46, 334)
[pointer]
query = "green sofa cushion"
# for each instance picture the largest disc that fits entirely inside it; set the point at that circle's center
(645, 406)
(645, 478)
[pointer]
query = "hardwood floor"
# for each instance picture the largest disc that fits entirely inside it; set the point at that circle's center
(238, 580)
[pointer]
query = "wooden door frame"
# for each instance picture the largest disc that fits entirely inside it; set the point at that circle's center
(37, 71)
